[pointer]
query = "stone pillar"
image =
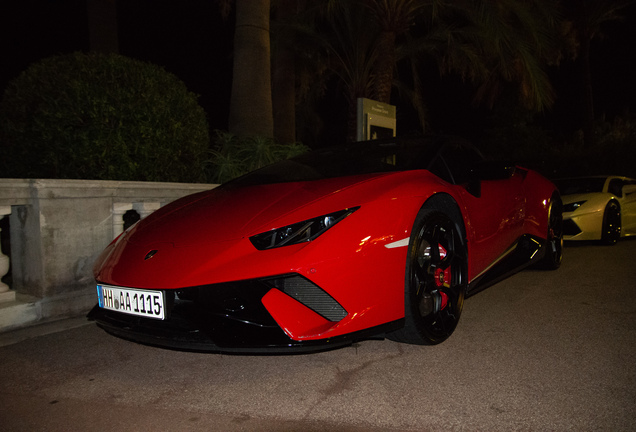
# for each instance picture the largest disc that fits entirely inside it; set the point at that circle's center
(145, 208)
(5, 293)
(119, 209)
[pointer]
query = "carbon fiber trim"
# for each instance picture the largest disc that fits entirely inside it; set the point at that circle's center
(311, 295)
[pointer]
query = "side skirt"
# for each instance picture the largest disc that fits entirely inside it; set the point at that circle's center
(525, 252)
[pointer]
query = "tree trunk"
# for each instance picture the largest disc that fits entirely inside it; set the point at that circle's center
(385, 65)
(251, 98)
(284, 80)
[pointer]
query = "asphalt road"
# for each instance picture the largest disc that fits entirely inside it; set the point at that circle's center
(541, 351)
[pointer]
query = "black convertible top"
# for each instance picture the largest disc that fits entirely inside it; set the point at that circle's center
(366, 157)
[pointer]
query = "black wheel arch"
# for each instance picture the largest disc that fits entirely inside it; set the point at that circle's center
(446, 204)
(611, 238)
(615, 201)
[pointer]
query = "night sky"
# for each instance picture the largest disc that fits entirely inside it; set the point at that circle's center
(191, 40)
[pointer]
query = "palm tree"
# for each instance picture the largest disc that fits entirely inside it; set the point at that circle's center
(394, 18)
(263, 99)
(587, 18)
(518, 38)
(491, 44)
(284, 14)
(353, 53)
(488, 43)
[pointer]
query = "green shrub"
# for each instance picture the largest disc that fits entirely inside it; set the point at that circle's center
(101, 116)
(233, 156)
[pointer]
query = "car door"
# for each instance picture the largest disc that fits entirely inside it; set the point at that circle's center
(495, 204)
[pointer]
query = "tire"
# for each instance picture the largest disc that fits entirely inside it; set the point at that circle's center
(435, 280)
(554, 243)
(611, 229)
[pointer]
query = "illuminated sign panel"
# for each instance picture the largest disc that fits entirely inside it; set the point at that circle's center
(375, 120)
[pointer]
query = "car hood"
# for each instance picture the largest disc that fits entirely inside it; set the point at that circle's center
(592, 197)
(568, 199)
(228, 213)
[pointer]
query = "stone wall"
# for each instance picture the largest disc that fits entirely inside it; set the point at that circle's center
(59, 227)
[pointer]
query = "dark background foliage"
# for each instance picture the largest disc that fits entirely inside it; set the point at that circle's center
(193, 41)
(101, 116)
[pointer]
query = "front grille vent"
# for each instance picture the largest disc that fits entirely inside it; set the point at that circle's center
(311, 295)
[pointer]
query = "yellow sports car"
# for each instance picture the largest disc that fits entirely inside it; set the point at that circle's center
(598, 208)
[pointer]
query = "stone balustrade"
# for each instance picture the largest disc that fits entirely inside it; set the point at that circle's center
(57, 230)
(5, 293)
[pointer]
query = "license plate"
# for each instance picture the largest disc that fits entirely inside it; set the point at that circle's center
(132, 301)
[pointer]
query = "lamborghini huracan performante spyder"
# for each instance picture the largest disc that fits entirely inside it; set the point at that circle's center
(373, 239)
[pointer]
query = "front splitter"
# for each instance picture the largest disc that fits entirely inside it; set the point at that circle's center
(218, 334)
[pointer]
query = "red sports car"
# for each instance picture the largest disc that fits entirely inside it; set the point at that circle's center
(374, 239)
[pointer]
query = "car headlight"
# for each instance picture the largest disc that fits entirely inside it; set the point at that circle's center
(299, 232)
(572, 206)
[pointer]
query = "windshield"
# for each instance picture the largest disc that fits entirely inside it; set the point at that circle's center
(355, 159)
(571, 186)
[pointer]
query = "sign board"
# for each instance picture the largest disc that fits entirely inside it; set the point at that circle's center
(375, 120)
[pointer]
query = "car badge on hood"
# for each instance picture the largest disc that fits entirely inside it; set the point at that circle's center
(150, 254)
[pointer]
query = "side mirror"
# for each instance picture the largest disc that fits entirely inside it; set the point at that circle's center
(629, 189)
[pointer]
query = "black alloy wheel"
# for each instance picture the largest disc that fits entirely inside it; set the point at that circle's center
(436, 278)
(611, 229)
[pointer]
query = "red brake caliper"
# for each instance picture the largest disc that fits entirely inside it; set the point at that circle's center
(443, 279)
